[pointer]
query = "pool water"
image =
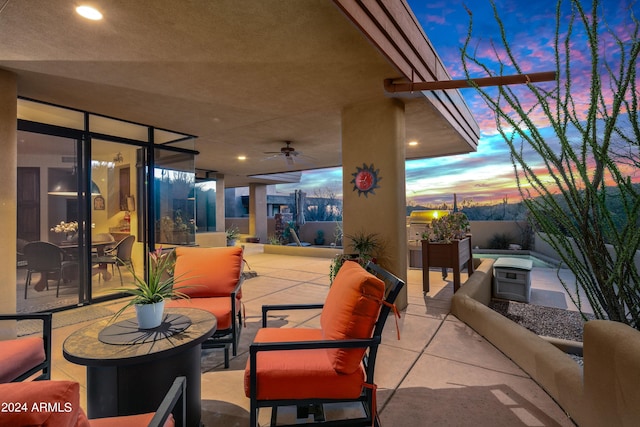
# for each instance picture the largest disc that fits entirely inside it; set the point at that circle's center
(537, 262)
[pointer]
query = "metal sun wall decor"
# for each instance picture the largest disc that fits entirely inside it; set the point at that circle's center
(365, 179)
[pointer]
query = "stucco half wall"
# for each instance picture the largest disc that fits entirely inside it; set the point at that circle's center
(606, 392)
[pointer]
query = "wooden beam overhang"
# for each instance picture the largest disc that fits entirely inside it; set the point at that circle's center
(392, 87)
(393, 29)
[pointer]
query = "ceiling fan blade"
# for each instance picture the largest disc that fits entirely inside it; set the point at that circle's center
(289, 160)
(275, 156)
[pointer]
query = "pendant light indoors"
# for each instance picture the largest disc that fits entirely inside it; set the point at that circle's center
(67, 185)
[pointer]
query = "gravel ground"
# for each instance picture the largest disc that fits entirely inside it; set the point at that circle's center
(547, 321)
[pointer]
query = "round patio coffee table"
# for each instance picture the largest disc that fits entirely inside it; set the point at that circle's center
(132, 371)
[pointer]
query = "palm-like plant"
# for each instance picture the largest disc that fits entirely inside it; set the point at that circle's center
(160, 284)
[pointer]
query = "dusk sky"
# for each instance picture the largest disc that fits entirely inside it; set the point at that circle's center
(487, 175)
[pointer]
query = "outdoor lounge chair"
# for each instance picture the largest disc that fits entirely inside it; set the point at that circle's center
(308, 368)
(213, 280)
(23, 357)
(57, 403)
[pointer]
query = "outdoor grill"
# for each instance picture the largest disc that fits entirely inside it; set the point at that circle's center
(418, 223)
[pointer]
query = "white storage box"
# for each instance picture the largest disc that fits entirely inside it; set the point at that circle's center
(512, 279)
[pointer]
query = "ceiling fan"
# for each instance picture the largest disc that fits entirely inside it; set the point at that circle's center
(288, 152)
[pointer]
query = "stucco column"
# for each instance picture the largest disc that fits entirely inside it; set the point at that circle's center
(8, 191)
(258, 211)
(373, 138)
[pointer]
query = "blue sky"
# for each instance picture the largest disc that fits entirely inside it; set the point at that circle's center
(487, 175)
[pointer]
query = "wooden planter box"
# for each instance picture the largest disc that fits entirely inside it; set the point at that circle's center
(446, 255)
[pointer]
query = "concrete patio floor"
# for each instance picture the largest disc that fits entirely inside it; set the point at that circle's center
(440, 373)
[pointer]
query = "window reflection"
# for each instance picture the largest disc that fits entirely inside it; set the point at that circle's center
(175, 201)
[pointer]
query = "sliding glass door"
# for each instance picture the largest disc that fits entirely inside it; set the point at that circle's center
(48, 241)
(116, 248)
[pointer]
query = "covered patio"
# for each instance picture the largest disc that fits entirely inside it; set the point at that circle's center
(243, 79)
(440, 372)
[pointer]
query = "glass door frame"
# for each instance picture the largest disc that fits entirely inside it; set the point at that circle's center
(139, 195)
(145, 165)
(77, 137)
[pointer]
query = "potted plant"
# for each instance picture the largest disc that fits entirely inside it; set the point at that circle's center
(445, 229)
(274, 240)
(319, 240)
(232, 235)
(367, 247)
(447, 244)
(287, 234)
(149, 295)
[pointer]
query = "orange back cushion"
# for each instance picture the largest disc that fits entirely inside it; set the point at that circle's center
(208, 272)
(350, 311)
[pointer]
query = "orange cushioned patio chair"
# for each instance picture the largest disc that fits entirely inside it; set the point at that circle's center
(213, 277)
(309, 368)
(21, 358)
(57, 404)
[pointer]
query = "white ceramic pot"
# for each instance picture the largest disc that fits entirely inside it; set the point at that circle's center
(149, 315)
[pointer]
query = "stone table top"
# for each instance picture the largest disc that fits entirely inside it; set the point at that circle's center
(84, 348)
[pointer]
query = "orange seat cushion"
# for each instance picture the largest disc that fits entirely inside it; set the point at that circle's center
(17, 356)
(129, 421)
(299, 374)
(350, 312)
(208, 272)
(218, 306)
(42, 403)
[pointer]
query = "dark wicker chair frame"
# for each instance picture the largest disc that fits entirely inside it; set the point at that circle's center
(45, 366)
(44, 258)
(119, 255)
(305, 406)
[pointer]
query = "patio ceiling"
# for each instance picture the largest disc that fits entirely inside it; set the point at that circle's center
(243, 76)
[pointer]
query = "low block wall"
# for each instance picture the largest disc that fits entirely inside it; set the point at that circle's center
(607, 395)
(302, 251)
(211, 239)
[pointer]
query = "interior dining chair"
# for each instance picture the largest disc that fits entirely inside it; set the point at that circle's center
(45, 258)
(20, 261)
(120, 255)
(104, 237)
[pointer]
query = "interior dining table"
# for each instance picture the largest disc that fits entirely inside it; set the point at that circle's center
(100, 248)
(69, 248)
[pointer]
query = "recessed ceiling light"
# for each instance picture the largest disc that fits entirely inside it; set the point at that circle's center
(89, 13)
(242, 157)
(413, 143)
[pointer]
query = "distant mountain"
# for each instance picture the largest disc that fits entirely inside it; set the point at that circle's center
(518, 211)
